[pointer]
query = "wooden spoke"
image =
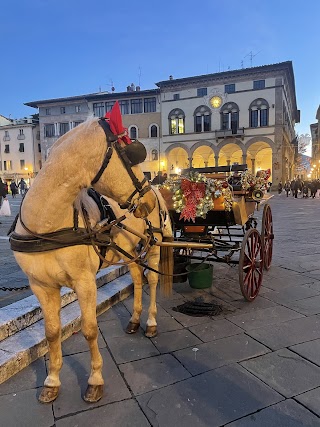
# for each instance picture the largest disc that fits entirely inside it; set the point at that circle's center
(267, 236)
(251, 263)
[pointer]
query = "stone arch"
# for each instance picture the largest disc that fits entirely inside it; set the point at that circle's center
(177, 156)
(259, 151)
(177, 145)
(230, 152)
(206, 143)
(228, 141)
(259, 139)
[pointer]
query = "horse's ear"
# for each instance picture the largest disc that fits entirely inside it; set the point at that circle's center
(136, 152)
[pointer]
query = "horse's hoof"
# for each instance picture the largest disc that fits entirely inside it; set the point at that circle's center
(93, 393)
(132, 328)
(48, 394)
(151, 331)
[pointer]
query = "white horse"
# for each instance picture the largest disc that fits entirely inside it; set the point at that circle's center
(74, 163)
(157, 258)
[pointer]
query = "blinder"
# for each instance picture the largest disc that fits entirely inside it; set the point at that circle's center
(136, 152)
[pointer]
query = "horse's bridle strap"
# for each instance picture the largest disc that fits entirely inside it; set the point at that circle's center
(104, 165)
(111, 143)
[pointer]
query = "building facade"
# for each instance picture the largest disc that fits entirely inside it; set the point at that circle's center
(315, 144)
(140, 114)
(20, 149)
(241, 116)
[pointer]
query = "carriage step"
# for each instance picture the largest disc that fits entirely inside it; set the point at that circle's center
(23, 313)
(27, 345)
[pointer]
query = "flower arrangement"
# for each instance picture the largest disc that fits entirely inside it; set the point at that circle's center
(250, 182)
(193, 195)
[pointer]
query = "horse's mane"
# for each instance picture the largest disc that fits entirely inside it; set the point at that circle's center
(90, 206)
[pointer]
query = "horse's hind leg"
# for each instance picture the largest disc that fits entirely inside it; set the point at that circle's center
(87, 296)
(50, 302)
(136, 274)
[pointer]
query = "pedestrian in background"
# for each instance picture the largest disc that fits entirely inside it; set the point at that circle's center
(3, 191)
(14, 189)
(22, 185)
(318, 189)
(292, 187)
(297, 187)
(287, 187)
(280, 188)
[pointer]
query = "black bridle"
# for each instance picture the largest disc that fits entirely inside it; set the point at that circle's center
(112, 143)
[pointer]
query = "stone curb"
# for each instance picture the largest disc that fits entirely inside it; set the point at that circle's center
(24, 313)
(27, 345)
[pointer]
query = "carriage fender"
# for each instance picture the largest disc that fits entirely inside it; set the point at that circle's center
(239, 211)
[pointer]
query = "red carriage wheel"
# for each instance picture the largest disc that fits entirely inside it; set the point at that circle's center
(251, 264)
(267, 236)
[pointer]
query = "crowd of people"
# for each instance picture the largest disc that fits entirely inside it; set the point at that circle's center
(298, 186)
(14, 190)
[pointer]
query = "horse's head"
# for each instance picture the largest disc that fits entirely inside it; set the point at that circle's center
(121, 177)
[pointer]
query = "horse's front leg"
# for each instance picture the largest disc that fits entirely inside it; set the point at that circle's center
(50, 302)
(136, 274)
(87, 296)
(153, 262)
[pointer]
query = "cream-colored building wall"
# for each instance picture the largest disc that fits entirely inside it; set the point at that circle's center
(242, 99)
(31, 155)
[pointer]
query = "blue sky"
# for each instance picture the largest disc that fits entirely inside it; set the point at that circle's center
(54, 48)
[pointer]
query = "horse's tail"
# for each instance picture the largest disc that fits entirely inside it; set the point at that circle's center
(166, 267)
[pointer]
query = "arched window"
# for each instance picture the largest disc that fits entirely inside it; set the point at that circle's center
(259, 113)
(230, 117)
(154, 131)
(133, 132)
(202, 119)
(176, 121)
(154, 154)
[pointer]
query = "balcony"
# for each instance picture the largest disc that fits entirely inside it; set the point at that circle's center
(22, 136)
(228, 133)
(6, 138)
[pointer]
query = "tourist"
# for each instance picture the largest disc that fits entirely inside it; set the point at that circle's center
(14, 189)
(298, 185)
(287, 187)
(23, 186)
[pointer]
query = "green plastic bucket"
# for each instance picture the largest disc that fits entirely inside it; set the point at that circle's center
(200, 275)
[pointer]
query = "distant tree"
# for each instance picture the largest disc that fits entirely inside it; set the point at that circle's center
(304, 141)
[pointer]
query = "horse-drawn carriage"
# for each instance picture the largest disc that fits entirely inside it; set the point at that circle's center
(72, 239)
(214, 213)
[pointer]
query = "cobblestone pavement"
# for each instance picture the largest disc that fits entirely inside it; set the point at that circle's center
(256, 364)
